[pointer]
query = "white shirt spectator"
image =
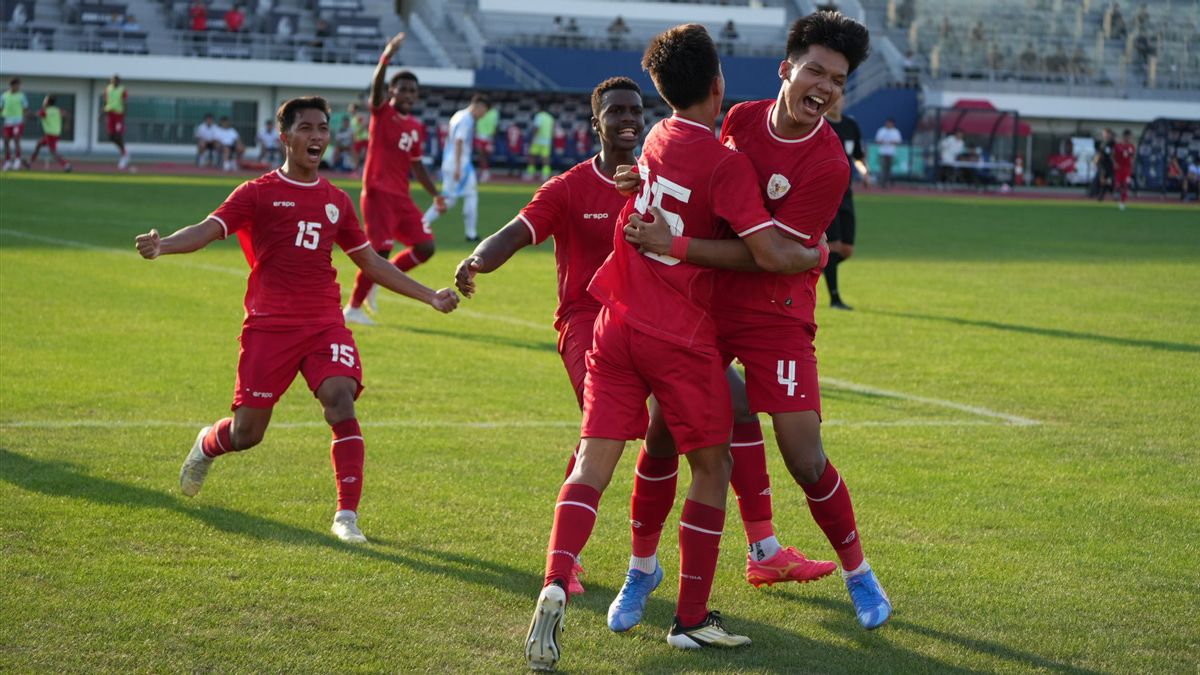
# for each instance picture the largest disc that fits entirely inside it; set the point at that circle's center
(207, 131)
(888, 138)
(462, 127)
(950, 148)
(228, 136)
(268, 139)
(1193, 170)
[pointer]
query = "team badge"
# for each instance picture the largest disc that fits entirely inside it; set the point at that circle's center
(333, 213)
(778, 186)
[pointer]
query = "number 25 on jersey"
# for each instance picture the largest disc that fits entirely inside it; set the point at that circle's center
(653, 190)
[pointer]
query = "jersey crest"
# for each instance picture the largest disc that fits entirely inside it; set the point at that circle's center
(777, 186)
(333, 213)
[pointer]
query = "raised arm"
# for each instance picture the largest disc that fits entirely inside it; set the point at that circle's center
(387, 275)
(379, 81)
(186, 240)
(491, 253)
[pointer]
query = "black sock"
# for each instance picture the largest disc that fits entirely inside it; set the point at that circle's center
(831, 275)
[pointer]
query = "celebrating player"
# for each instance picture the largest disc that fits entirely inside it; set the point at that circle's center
(396, 142)
(16, 107)
(1123, 154)
(765, 320)
(293, 323)
(52, 120)
(115, 99)
(654, 336)
(458, 175)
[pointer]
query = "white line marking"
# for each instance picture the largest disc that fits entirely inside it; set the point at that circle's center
(980, 411)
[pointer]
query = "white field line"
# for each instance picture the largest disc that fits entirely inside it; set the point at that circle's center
(979, 411)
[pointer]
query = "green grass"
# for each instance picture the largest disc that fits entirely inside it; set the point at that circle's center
(1063, 546)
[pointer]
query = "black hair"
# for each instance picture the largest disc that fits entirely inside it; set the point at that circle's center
(286, 116)
(404, 75)
(15, 80)
(50, 100)
(832, 30)
(482, 99)
(683, 62)
(611, 84)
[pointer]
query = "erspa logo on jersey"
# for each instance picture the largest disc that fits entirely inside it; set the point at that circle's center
(333, 213)
(595, 216)
(287, 204)
(778, 186)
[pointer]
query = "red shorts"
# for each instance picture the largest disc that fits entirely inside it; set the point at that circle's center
(574, 341)
(50, 142)
(390, 218)
(1122, 178)
(625, 366)
(271, 357)
(483, 145)
(780, 360)
(116, 123)
(14, 131)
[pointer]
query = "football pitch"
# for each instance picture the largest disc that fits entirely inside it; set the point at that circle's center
(1013, 403)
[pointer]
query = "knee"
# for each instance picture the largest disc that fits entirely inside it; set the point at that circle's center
(806, 467)
(339, 406)
(246, 434)
(711, 468)
(425, 249)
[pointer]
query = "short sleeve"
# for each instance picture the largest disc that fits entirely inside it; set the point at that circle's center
(738, 199)
(811, 205)
(462, 130)
(547, 211)
(238, 210)
(350, 235)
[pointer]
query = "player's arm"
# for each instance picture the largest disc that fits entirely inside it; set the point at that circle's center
(491, 253)
(186, 240)
(458, 155)
(422, 175)
(387, 275)
(765, 250)
(379, 80)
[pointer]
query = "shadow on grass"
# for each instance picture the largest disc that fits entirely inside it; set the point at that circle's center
(496, 340)
(872, 650)
(1160, 345)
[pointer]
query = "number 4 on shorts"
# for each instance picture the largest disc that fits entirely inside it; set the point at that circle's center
(790, 380)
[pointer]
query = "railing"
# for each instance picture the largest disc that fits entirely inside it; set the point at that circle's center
(626, 43)
(521, 71)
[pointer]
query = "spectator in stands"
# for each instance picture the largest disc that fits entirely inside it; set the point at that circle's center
(1057, 63)
(1142, 20)
(208, 146)
(573, 34)
(317, 44)
(235, 18)
(1173, 177)
(129, 24)
(199, 18)
(343, 146)
(978, 35)
(1028, 60)
(949, 148)
(231, 145)
(912, 70)
(268, 144)
(906, 12)
(1119, 30)
(729, 37)
(1080, 68)
(887, 138)
(617, 30)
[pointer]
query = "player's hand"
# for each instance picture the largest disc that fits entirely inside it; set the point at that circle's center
(867, 181)
(445, 300)
(464, 276)
(149, 245)
(628, 180)
(653, 235)
(439, 203)
(393, 45)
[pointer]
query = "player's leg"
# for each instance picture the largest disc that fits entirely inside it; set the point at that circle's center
(799, 437)
(18, 131)
(470, 195)
(36, 149)
(334, 374)
(841, 247)
(574, 341)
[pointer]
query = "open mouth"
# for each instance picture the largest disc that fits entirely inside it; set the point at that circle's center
(314, 152)
(627, 133)
(812, 104)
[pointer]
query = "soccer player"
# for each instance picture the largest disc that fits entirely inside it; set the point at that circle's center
(654, 336)
(1103, 160)
(360, 133)
(1123, 154)
(539, 148)
(293, 323)
(767, 320)
(15, 107)
(485, 141)
(115, 99)
(841, 231)
(458, 175)
(52, 119)
(395, 145)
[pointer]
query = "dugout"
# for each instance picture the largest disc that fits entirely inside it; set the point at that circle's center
(1161, 140)
(993, 141)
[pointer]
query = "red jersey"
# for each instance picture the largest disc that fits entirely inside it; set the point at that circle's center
(583, 140)
(802, 181)
(704, 189)
(293, 227)
(516, 140)
(1123, 158)
(579, 209)
(394, 142)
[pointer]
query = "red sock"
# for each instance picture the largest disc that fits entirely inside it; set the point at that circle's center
(829, 501)
(654, 482)
(571, 462)
(218, 440)
(574, 518)
(347, 453)
(699, 543)
(750, 481)
(407, 259)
